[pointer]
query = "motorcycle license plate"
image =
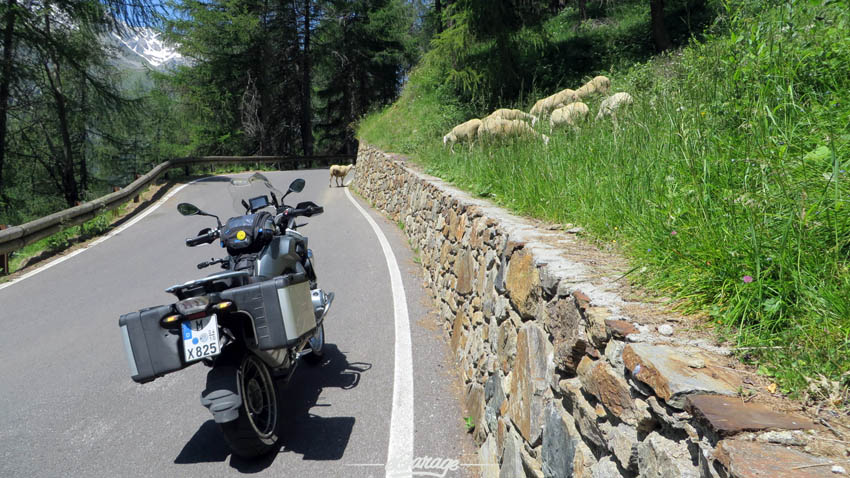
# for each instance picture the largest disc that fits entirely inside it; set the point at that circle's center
(200, 338)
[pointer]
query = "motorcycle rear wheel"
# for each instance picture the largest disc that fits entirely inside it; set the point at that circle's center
(254, 433)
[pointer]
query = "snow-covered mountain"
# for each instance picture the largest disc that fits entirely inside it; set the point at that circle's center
(143, 48)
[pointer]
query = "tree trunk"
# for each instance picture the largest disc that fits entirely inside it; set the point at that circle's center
(306, 86)
(83, 134)
(438, 11)
(54, 78)
(659, 30)
(582, 9)
(5, 83)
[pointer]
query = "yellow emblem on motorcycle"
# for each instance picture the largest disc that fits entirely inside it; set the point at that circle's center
(240, 235)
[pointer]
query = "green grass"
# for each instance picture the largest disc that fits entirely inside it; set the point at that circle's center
(64, 239)
(727, 180)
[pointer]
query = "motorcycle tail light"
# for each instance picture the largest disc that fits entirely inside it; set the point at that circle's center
(170, 319)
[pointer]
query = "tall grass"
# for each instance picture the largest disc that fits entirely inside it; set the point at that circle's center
(726, 181)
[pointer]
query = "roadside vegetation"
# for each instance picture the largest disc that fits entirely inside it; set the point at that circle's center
(726, 182)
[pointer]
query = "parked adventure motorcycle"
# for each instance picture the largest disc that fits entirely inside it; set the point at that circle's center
(249, 324)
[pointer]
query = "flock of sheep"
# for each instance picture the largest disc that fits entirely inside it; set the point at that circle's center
(563, 108)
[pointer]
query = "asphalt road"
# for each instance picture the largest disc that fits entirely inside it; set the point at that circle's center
(69, 408)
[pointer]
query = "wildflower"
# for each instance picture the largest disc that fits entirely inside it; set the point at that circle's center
(649, 250)
(673, 233)
(702, 113)
(747, 279)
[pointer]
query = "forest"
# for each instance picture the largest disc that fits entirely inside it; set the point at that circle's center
(258, 77)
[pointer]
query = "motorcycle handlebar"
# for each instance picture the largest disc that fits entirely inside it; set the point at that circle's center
(202, 239)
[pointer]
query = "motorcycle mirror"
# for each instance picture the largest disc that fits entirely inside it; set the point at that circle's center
(274, 198)
(297, 186)
(187, 209)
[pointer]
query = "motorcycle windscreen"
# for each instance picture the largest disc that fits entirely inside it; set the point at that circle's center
(245, 189)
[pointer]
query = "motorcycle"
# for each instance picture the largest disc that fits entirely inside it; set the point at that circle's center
(250, 324)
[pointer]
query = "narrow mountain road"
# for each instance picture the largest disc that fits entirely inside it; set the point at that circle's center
(69, 408)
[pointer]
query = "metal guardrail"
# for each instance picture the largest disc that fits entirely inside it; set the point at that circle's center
(16, 237)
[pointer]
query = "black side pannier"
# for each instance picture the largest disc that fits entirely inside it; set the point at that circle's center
(152, 351)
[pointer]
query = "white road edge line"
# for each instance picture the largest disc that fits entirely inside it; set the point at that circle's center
(113, 233)
(400, 451)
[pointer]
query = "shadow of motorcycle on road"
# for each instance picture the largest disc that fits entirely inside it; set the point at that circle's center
(314, 437)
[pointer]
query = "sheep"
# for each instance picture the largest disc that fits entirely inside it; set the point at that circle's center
(611, 104)
(569, 114)
(462, 132)
(339, 172)
(501, 127)
(565, 97)
(544, 106)
(599, 84)
(510, 114)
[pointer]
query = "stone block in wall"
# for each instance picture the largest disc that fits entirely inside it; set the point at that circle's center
(727, 416)
(507, 345)
(673, 373)
(584, 414)
(622, 443)
(530, 463)
(494, 396)
(475, 407)
(559, 445)
(566, 325)
(511, 458)
(660, 457)
(522, 282)
(488, 458)
(745, 459)
(606, 468)
(530, 383)
(464, 272)
(609, 387)
(459, 332)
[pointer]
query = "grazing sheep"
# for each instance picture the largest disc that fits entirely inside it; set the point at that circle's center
(462, 132)
(339, 172)
(565, 97)
(569, 115)
(611, 104)
(544, 106)
(510, 114)
(505, 128)
(599, 84)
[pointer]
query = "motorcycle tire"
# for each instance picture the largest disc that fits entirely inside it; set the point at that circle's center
(317, 347)
(254, 433)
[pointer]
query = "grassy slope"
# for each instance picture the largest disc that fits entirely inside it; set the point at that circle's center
(726, 181)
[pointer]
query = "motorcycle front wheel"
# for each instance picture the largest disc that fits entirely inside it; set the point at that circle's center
(254, 433)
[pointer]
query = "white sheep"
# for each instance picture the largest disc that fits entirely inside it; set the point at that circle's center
(339, 172)
(599, 84)
(497, 127)
(565, 97)
(569, 115)
(544, 106)
(611, 104)
(511, 114)
(462, 132)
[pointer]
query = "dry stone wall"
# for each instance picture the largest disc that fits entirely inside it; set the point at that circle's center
(560, 380)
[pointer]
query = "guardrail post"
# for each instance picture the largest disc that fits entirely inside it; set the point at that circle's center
(4, 258)
(136, 198)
